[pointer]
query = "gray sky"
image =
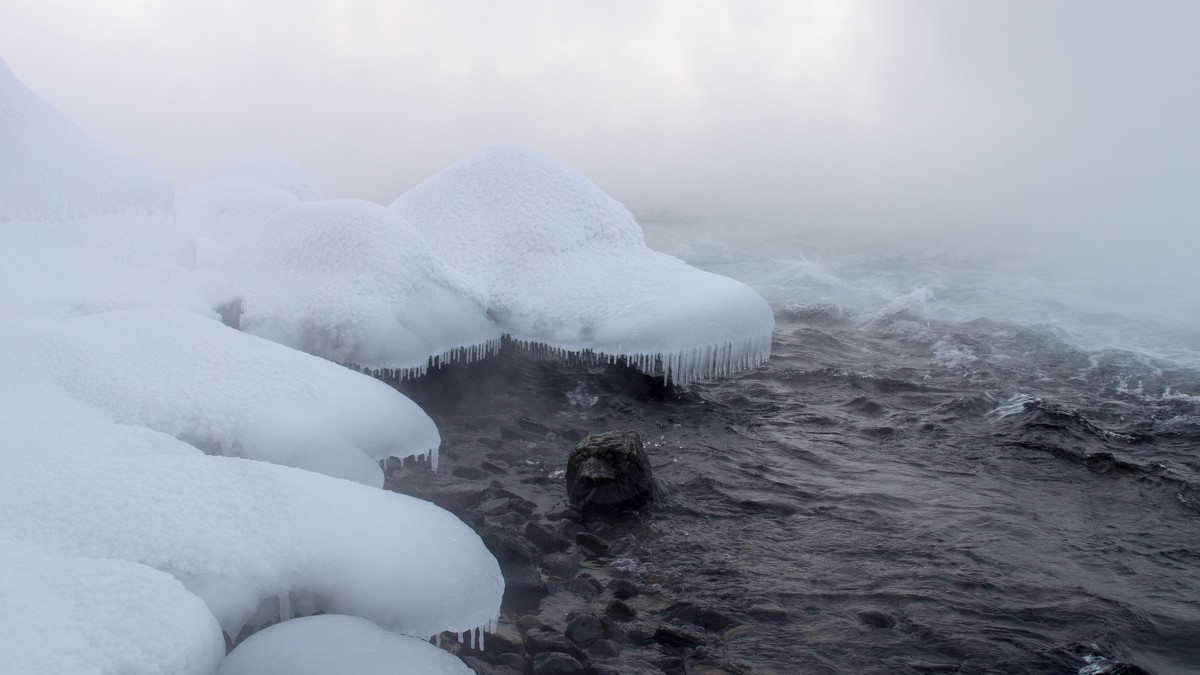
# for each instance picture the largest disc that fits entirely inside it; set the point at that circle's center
(1015, 118)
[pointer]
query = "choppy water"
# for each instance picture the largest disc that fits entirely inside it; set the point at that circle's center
(947, 463)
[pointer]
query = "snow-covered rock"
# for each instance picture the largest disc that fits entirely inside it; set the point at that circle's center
(352, 282)
(255, 541)
(558, 262)
(331, 643)
(84, 615)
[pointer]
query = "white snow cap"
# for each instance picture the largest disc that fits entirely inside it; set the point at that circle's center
(352, 282)
(50, 170)
(255, 541)
(83, 615)
(558, 262)
(331, 643)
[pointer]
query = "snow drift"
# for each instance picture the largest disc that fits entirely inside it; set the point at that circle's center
(51, 170)
(557, 262)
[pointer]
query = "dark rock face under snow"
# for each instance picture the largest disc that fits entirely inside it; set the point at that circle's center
(609, 473)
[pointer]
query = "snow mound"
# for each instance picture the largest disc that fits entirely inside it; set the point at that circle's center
(352, 282)
(559, 263)
(50, 170)
(331, 643)
(221, 390)
(275, 172)
(257, 542)
(78, 615)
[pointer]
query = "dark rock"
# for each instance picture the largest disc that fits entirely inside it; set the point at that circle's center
(545, 538)
(468, 472)
(524, 586)
(768, 614)
(618, 666)
(622, 588)
(597, 544)
(585, 587)
(457, 498)
(877, 619)
(528, 622)
(567, 513)
(556, 663)
(561, 565)
(506, 639)
(480, 666)
(700, 615)
(538, 640)
(669, 664)
(514, 661)
(618, 610)
(612, 630)
(625, 546)
(584, 629)
(672, 636)
(608, 473)
(604, 649)
(640, 632)
(493, 467)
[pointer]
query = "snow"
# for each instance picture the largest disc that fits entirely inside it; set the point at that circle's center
(182, 453)
(559, 263)
(352, 282)
(255, 541)
(50, 170)
(332, 643)
(84, 616)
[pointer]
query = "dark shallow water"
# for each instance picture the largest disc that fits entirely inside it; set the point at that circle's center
(914, 496)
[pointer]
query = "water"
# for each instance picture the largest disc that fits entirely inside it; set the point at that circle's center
(954, 459)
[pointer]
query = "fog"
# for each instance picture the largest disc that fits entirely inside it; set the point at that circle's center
(1068, 123)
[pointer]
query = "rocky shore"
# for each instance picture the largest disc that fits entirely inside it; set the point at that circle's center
(580, 596)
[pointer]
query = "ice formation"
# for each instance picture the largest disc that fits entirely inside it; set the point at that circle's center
(351, 282)
(559, 263)
(317, 645)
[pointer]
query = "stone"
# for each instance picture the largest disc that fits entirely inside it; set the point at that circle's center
(618, 610)
(511, 660)
(768, 614)
(561, 565)
(609, 473)
(622, 589)
(538, 640)
(877, 619)
(597, 544)
(545, 538)
(584, 629)
(604, 649)
(617, 666)
(556, 663)
(699, 615)
(677, 637)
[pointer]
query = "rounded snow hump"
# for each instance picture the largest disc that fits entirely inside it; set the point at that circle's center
(558, 262)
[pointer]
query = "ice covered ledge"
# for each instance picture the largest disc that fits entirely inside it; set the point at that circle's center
(557, 262)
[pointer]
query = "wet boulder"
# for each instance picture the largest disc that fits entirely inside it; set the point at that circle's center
(609, 473)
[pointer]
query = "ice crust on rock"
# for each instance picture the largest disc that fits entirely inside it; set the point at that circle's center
(352, 282)
(85, 615)
(332, 643)
(50, 170)
(559, 263)
(223, 391)
(239, 534)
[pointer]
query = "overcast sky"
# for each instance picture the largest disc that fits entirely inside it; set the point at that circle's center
(1000, 116)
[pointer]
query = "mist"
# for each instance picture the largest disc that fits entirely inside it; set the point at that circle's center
(1066, 125)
